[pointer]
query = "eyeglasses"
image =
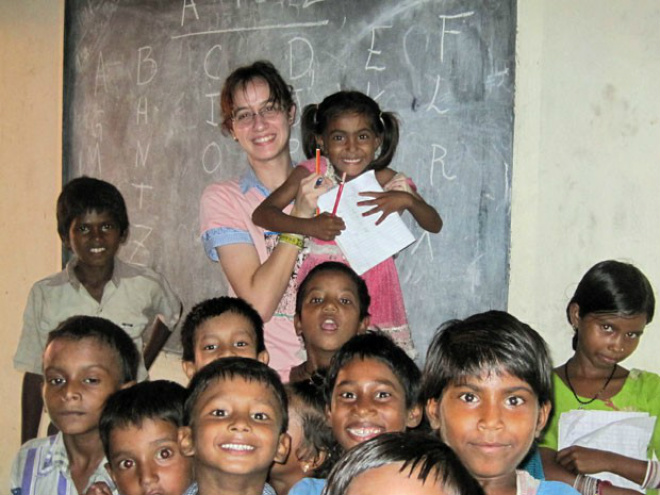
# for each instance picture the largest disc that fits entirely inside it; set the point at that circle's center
(245, 118)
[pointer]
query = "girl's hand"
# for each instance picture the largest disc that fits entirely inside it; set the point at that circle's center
(98, 488)
(311, 187)
(399, 183)
(386, 202)
(582, 460)
(326, 227)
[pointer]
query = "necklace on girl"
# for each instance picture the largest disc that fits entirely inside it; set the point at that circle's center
(586, 402)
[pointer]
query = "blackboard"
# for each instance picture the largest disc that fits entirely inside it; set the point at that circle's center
(142, 80)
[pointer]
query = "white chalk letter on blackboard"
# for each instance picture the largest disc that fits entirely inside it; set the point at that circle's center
(213, 166)
(100, 75)
(442, 153)
(208, 60)
(188, 4)
(141, 155)
(302, 58)
(142, 109)
(212, 98)
(372, 51)
(148, 63)
(432, 105)
(449, 31)
(141, 187)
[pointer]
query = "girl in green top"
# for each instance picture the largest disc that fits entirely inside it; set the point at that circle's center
(611, 306)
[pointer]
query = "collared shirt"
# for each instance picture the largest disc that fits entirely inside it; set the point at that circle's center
(194, 490)
(225, 219)
(133, 298)
(42, 467)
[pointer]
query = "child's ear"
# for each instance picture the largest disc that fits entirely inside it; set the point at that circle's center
(415, 414)
(433, 413)
(364, 324)
(574, 314)
(186, 443)
(309, 465)
(544, 414)
(263, 357)
(189, 368)
(297, 324)
(124, 236)
(283, 447)
(292, 114)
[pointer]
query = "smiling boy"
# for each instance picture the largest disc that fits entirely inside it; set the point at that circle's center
(92, 222)
(237, 421)
(85, 361)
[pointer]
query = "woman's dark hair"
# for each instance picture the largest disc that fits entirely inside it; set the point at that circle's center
(613, 287)
(281, 94)
(379, 346)
(317, 118)
(488, 342)
(85, 194)
(335, 266)
(420, 455)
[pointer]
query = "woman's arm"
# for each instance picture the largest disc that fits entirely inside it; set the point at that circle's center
(583, 460)
(301, 186)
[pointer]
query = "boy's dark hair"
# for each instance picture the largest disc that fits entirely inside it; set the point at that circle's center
(307, 399)
(334, 266)
(281, 94)
(104, 331)
(157, 400)
(613, 287)
(379, 346)
(415, 451)
(211, 308)
(487, 342)
(85, 194)
(228, 368)
(316, 119)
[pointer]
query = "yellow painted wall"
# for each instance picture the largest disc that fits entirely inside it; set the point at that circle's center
(586, 177)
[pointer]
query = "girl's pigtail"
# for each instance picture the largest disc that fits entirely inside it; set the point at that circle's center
(389, 140)
(308, 130)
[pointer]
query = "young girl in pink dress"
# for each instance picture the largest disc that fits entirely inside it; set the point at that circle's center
(354, 136)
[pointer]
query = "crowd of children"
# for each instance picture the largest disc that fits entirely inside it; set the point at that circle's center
(358, 416)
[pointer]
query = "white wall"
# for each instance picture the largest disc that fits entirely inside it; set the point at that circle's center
(586, 174)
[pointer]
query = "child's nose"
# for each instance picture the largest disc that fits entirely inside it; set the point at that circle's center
(364, 406)
(72, 391)
(239, 423)
(491, 417)
(148, 475)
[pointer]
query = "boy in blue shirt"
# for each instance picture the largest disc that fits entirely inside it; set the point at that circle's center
(237, 420)
(86, 360)
(92, 222)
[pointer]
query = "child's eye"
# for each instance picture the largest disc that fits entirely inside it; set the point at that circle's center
(83, 228)
(364, 137)
(210, 347)
(337, 137)
(607, 327)
(56, 381)
(261, 416)
(514, 400)
(92, 381)
(219, 413)
(125, 464)
(107, 227)
(383, 395)
(634, 335)
(468, 397)
(165, 453)
(345, 300)
(347, 395)
(242, 343)
(316, 300)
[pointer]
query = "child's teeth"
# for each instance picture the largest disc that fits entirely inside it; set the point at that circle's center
(237, 446)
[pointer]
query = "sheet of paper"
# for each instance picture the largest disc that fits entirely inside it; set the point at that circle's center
(364, 243)
(626, 433)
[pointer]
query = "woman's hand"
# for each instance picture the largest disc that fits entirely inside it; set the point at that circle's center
(326, 226)
(582, 460)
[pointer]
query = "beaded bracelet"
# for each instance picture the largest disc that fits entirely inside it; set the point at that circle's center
(586, 485)
(652, 478)
(293, 239)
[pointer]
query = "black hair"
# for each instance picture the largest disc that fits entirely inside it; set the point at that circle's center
(210, 308)
(250, 370)
(418, 453)
(307, 399)
(487, 342)
(104, 331)
(85, 194)
(160, 399)
(281, 94)
(613, 287)
(317, 118)
(379, 346)
(334, 266)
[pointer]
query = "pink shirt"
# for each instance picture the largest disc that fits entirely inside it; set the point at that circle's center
(226, 218)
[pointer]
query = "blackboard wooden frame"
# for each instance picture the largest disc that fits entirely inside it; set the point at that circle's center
(141, 111)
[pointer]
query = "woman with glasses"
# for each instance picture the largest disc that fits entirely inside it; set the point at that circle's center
(258, 112)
